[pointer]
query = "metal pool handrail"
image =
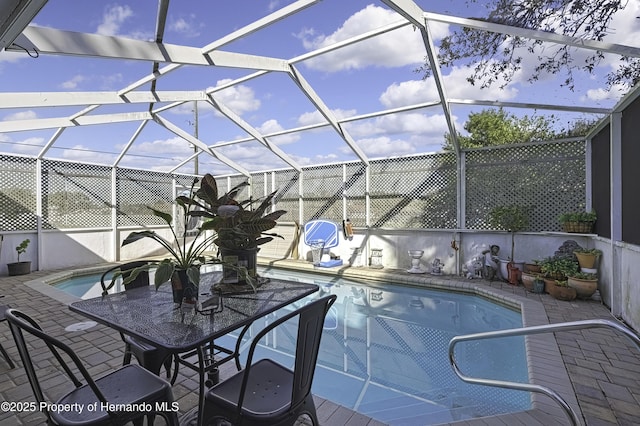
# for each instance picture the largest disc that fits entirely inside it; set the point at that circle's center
(539, 329)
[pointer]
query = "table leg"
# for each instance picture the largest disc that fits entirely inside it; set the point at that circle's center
(201, 373)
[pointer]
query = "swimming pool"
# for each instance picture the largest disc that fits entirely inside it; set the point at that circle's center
(384, 351)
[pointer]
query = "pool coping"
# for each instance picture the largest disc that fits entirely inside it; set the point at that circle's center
(546, 367)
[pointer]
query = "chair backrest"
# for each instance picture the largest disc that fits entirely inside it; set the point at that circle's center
(310, 324)
(19, 323)
(124, 271)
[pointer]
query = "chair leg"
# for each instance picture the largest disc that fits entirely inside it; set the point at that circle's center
(126, 360)
(176, 363)
(309, 408)
(7, 357)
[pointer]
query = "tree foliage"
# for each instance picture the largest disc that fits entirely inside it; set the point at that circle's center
(499, 56)
(497, 127)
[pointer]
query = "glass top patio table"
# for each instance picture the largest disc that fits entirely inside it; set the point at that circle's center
(153, 317)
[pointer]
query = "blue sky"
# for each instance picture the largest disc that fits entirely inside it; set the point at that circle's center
(376, 75)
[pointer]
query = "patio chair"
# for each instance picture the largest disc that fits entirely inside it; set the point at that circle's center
(3, 309)
(265, 392)
(130, 386)
(147, 355)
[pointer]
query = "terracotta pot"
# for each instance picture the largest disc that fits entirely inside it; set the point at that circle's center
(584, 288)
(514, 274)
(532, 268)
(563, 293)
(549, 284)
(527, 280)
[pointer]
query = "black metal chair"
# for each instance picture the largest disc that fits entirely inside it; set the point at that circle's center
(130, 386)
(267, 393)
(3, 309)
(149, 356)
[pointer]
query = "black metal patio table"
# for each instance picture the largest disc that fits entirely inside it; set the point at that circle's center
(152, 316)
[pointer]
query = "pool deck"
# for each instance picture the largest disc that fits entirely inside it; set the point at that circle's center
(596, 371)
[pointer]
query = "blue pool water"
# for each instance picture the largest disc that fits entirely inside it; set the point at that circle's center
(384, 350)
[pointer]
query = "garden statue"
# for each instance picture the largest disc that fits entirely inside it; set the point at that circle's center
(436, 267)
(491, 269)
(474, 268)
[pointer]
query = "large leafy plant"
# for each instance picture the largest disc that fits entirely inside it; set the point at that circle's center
(239, 225)
(186, 248)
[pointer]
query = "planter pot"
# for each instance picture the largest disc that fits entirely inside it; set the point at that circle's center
(538, 286)
(587, 260)
(182, 288)
(584, 288)
(527, 281)
(578, 227)
(532, 268)
(563, 293)
(234, 264)
(504, 270)
(514, 274)
(549, 284)
(19, 268)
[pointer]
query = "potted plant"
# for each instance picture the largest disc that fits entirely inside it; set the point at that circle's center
(580, 222)
(20, 268)
(512, 218)
(186, 250)
(585, 284)
(588, 258)
(560, 290)
(557, 269)
(241, 227)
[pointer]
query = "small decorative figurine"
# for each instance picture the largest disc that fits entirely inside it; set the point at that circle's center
(491, 269)
(436, 267)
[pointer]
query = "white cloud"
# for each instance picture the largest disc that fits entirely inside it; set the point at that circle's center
(73, 82)
(11, 56)
(171, 146)
(106, 82)
(414, 123)
(84, 153)
(383, 146)
(187, 26)
(394, 49)
(602, 94)
(112, 18)
(239, 98)
(29, 146)
(22, 115)
(272, 126)
(413, 92)
(315, 117)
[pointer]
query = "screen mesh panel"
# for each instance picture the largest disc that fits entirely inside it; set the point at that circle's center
(546, 179)
(75, 195)
(18, 194)
(414, 192)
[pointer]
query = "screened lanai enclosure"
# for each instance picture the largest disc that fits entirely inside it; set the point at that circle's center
(358, 110)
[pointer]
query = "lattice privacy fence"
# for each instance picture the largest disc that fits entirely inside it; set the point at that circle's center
(417, 192)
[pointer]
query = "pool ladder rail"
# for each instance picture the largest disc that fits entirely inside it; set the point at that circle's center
(540, 329)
